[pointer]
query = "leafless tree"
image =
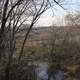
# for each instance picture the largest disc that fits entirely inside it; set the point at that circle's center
(72, 19)
(13, 14)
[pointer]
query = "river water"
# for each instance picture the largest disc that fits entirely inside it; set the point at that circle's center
(42, 72)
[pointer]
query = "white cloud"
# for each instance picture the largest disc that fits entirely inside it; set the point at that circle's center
(45, 21)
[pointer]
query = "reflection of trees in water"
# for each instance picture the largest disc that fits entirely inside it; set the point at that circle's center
(55, 72)
(50, 73)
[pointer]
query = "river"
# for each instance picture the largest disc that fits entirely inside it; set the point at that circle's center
(42, 72)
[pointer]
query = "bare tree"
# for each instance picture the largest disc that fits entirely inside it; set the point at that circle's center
(72, 19)
(13, 14)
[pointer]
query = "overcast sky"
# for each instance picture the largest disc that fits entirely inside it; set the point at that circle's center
(57, 15)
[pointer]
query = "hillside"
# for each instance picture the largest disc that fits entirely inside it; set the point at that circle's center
(43, 34)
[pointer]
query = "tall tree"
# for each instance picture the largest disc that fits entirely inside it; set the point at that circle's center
(13, 14)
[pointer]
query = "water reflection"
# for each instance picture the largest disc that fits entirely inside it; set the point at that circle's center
(42, 73)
